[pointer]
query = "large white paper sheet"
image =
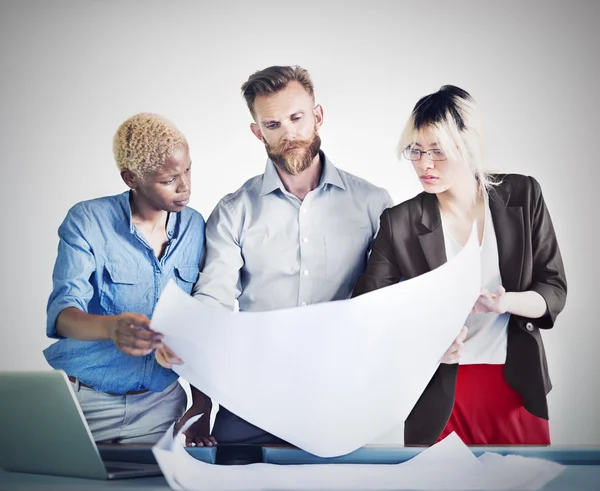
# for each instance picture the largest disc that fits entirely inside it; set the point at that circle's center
(449, 465)
(330, 377)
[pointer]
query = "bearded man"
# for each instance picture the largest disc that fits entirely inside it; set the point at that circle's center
(296, 235)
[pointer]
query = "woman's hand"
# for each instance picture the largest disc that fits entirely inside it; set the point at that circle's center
(488, 302)
(132, 335)
(166, 358)
(453, 353)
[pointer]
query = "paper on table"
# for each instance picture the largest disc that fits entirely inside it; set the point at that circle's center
(448, 465)
(167, 454)
(510, 465)
(330, 377)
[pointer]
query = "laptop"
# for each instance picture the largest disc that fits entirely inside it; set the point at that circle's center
(43, 430)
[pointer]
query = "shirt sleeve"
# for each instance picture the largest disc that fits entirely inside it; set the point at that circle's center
(74, 266)
(384, 202)
(219, 283)
(387, 201)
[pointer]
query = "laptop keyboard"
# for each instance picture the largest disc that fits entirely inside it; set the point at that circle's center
(114, 469)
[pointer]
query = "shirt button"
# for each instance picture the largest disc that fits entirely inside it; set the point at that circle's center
(305, 240)
(305, 272)
(529, 326)
(304, 210)
(303, 304)
(170, 233)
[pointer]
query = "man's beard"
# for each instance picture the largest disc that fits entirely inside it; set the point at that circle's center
(294, 163)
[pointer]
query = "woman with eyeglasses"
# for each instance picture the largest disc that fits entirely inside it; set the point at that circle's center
(496, 394)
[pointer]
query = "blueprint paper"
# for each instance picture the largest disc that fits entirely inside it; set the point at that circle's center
(330, 377)
(447, 466)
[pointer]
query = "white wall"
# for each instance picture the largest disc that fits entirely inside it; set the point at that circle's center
(72, 71)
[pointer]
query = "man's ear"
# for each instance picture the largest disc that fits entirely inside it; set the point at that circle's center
(129, 178)
(254, 128)
(318, 112)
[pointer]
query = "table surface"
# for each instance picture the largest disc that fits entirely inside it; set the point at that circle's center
(582, 471)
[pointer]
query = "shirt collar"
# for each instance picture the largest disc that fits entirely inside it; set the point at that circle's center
(329, 175)
(172, 218)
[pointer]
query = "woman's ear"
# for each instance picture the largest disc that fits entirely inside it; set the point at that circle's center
(129, 178)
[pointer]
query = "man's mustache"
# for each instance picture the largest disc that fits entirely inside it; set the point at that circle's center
(285, 146)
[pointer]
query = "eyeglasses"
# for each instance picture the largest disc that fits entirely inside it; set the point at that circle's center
(415, 154)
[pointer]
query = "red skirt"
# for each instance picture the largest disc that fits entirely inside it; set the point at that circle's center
(488, 411)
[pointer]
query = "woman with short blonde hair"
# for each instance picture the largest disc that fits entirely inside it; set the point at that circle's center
(115, 255)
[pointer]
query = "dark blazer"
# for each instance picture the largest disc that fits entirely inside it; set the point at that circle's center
(410, 242)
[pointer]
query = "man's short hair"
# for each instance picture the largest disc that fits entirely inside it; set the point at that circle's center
(272, 80)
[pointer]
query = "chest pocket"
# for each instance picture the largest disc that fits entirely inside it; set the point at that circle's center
(126, 288)
(186, 276)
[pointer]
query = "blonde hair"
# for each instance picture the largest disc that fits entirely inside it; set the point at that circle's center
(451, 114)
(144, 141)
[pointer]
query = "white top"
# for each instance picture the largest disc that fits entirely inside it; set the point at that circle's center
(488, 333)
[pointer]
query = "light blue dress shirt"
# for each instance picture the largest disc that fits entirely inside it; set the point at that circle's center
(106, 267)
(269, 250)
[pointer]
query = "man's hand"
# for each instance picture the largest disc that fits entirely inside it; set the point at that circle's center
(131, 333)
(488, 302)
(452, 354)
(166, 358)
(197, 435)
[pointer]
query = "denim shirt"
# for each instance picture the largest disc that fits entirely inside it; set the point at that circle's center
(106, 267)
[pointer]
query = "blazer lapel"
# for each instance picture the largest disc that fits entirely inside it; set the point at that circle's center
(432, 240)
(508, 226)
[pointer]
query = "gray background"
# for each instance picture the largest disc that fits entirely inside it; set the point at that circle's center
(72, 71)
